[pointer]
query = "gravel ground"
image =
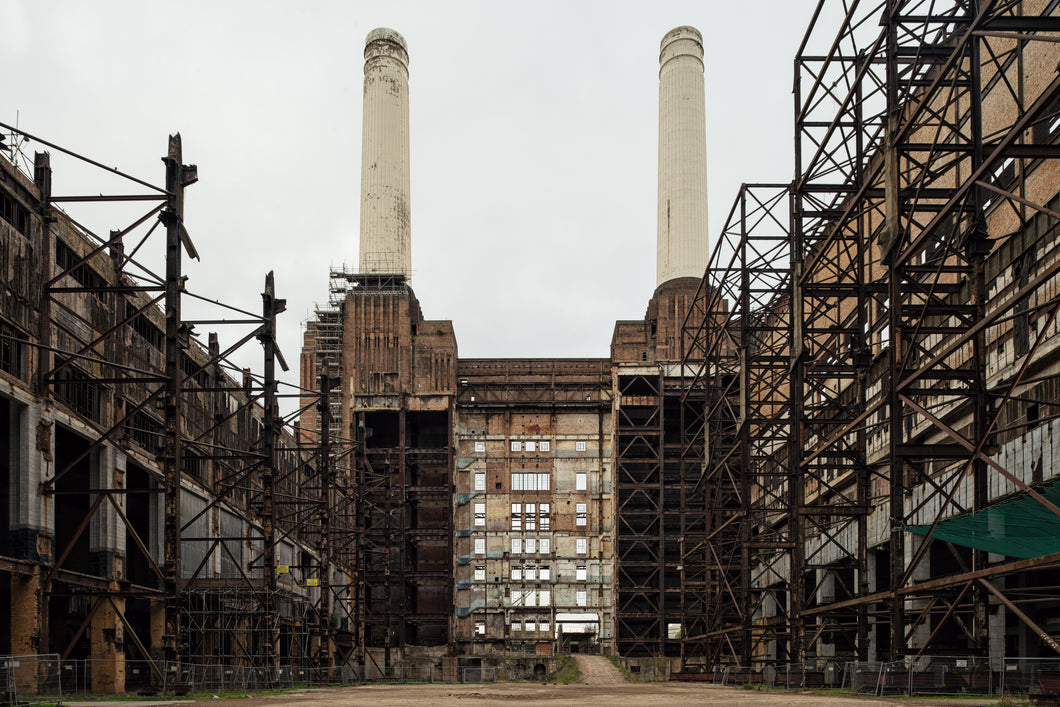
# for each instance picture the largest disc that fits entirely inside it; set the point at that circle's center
(622, 693)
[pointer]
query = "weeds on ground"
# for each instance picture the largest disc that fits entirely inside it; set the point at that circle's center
(566, 673)
(760, 687)
(630, 677)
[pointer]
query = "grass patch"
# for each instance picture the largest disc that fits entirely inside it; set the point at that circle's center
(566, 672)
(630, 677)
(760, 687)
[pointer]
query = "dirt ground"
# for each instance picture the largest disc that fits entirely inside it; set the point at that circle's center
(598, 670)
(614, 694)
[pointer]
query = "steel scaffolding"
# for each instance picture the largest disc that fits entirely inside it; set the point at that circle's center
(879, 391)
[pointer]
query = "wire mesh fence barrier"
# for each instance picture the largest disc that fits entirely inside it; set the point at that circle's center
(791, 675)
(27, 676)
(949, 675)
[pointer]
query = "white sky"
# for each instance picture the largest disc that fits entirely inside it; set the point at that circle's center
(533, 143)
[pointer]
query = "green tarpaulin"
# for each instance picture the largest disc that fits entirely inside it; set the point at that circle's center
(1022, 527)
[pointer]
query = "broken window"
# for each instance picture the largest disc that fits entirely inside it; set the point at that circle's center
(517, 572)
(480, 573)
(581, 515)
(531, 516)
(480, 628)
(544, 573)
(546, 522)
(581, 597)
(480, 515)
(517, 516)
(581, 573)
(530, 573)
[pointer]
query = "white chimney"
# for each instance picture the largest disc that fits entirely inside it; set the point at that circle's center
(385, 209)
(682, 235)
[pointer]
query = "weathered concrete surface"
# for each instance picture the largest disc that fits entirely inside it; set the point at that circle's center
(641, 694)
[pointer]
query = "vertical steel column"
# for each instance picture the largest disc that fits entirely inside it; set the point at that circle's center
(326, 474)
(271, 307)
(173, 452)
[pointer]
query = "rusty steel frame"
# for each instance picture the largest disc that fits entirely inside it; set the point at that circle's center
(890, 327)
(302, 507)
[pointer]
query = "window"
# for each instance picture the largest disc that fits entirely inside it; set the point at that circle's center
(517, 516)
(480, 628)
(531, 625)
(580, 514)
(580, 573)
(542, 626)
(531, 516)
(530, 598)
(480, 481)
(530, 573)
(544, 446)
(581, 481)
(480, 515)
(480, 573)
(544, 573)
(531, 546)
(579, 446)
(530, 446)
(480, 546)
(544, 598)
(517, 572)
(517, 445)
(544, 546)
(583, 545)
(517, 626)
(530, 481)
(546, 522)
(480, 446)
(581, 598)
(517, 546)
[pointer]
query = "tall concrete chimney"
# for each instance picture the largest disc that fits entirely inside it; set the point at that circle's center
(682, 235)
(385, 214)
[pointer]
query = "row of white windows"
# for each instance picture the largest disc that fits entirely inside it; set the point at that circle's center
(533, 546)
(532, 573)
(528, 625)
(533, 515)
(533, 481)
(531, 597)
(543, 445)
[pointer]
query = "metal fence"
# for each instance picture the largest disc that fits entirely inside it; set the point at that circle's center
(48, 677)
(27, 676)
(955, 676)
(791, 675)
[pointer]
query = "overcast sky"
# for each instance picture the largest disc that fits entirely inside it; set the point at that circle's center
(533, 142)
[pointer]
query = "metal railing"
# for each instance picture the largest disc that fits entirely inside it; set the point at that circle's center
(954, 676)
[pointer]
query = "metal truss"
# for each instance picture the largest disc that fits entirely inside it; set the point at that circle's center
(910, 338)
(228, 438)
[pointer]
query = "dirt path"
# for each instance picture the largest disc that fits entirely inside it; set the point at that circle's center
(598, 670)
